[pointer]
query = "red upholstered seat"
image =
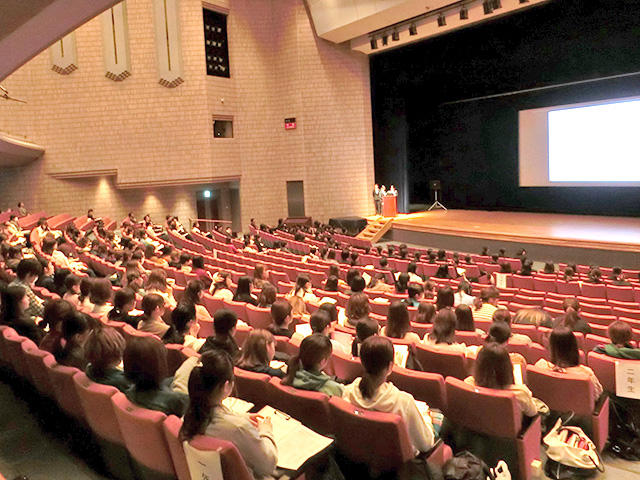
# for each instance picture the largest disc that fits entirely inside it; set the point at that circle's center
(258, 317)
(425, 386)
(253, 387)
(310, 408)
(596, 290)
(344, 367)
(171, 429)
(65, 391)
(544, 284)
(36, 363)
(445, 363)
(620, 293)
(568, 288)
(520, 281)
(604, 367)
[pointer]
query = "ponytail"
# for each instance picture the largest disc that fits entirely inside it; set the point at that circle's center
(313, 350)
(292, 368)
(376, 353)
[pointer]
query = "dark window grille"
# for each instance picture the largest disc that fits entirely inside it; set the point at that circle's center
(216, 45)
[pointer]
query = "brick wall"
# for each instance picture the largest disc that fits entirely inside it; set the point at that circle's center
(155, 146)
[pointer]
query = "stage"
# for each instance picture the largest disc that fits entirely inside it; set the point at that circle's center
(605, 241)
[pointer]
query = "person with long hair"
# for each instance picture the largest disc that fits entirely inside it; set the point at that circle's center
(503, 315)
(104, 350)
(221, 286)
(124, 301)
(463, 295)
(445, 298)
(500, 333)
(184, 328)
(224, 328)
(565, 357)
(464, 320)
(15, 303)
(426, 313)
(305, 369)
(260, 276)
(145, 366)
(192, 295)
(443, 335)
(257, 352)
(571, 317)
(209, 384)
(399, 323)
(358, 308)
(72, 289)
(620, 334)
(373, 392)
(243, 291)
(157, 284)
(364, 329)
(493, 369)
(281, 319)
(197, 268)
(402, 282)
(55, 311)
(532, 316)
(100, 296)
(69, 349)
(151, 320)
(268, 296)
(302, 289)
(378, 284)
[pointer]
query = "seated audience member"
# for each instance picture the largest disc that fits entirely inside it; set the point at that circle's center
(493, 369)
(532, 316)
(378, 284)
(618, 278)
(549, 268)
(281, 316)
(72, 289)
(192, 295)
(302, 290)
(104, 351)
(331, 284)
(620, 347)
(500, 333)
(356, 285)
(28, 271)
(46, 279)
(503, 315)
(69, 349)
(320, 322)
(565, 357)
(415, 293)
(505, 267)
(260, 276)
(124, 301)
(413, 276)
(364, 329)
(527, 268)
(487, 304)
(184, 329)
(569, 272)
(268, 296)
(224, 327)
(373, 392)
(145, 366)
(443, 335)
(100, 296)
(399, 324)
(197, 268)
(463, 295)
(257, 352)
(243, 291)
(151, 320)
(426, 313)
(445, 298)
(571, 317)
(15, 303)
(221, 286)
(402, 283)
(305, 369)
(55, 311)
(158, 285)
(334, 271)
(331, 309)
(210, 383)
(594, 276)
(357, 308)
(464, 320)
(442, 272)
(133, 280)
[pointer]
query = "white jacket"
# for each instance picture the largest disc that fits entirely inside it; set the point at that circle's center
(389, 399)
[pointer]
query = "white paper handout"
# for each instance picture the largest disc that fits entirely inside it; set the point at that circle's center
(517, 374)
(400, 355)
(343, 338)
(304, 329)
(203, 464)
(296, 443)
(237, 405)
(628, 378)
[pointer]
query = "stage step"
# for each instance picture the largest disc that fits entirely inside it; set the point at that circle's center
(375, 230)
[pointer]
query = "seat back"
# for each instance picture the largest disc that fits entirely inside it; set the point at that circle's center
(258, 317)
(13, 343)
(233, 465)
(65, 391)
(344, 367)
(359, 432)
(447, 364)
(425, 386)
(604, 367)
(144, 437)
(99, 413)
(36, 360)
(171, 428)
(253, 387)
(562, 392)
(310, 408)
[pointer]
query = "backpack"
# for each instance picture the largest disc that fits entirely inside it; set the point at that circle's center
(466, 466)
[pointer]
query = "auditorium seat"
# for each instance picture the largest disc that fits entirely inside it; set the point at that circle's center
(564, 393)
(598, 319)
(445, 363)
(529, 330)
(171, 429)
(144, 437)
(65, 391)
(604, 367)
(568, 288)
(258, 317)
(594, 290)
(176, 355)
(425, 386)
(595, 309)
(344, 367)
(253, 387)
(520, 282)
(13, 344)
(620, 293)
(469, 338)
(544, 284)
(100, 415)
(494, 416)
(310, 408)
(37, 362)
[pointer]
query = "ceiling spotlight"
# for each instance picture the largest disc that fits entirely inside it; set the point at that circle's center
(488, 7)
(385, 39)
(496, 4)
(413, 30)
(395, 36)
(374, 43)
(442, 21)
(464, 13)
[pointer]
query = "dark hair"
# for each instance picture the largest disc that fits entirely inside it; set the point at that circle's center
(181, 316)
(197, 262)
(224, 321)
(268, 295)
(489, 293)
(549, 267)
(280, 310)
(258, 271)
(254, 349)
(465, 287)
(191, 294)
(426, 312)
(221, 282)
(319, 321)
(244, 288)
(71, 281)
(414, 290)
(445, 298)
(11, 299)
(376, 354)
(493, 368)
(331, 310)
(365, 328)
(150, 302)
(301, 282)
(444, 327)
(105, 348)
(564, 348)
(331, 284)
(101, 291)
(502, 315)
(213, 372)
(157, 280)
(398, 322)
(123, 297)
(313, 350)
(28, 266)
(357, 307)
(357, 284)
(73, 324)
(145, 362)
(351, 274)
(619, 332)
(464, 319)
(499, 332)
(402, 283)
(55, 311)
(412, 267)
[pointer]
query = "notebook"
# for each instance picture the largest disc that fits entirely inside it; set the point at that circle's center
(304, 329)
(400, 355)
(296, 443)
(237, 405)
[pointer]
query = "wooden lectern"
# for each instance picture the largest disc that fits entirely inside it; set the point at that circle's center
(389, 206)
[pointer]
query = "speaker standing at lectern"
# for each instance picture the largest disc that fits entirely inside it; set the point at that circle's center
(377, 199)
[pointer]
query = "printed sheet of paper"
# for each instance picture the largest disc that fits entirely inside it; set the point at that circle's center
(304, 329)
(628, 378)
(517, 374)
(237, 405)
(296, 443)
(203, 464)
(400, 355)
(343, 338)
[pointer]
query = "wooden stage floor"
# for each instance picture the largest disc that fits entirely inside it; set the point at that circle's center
(618, 234)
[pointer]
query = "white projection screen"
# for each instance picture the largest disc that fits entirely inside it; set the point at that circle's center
(593, 144)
